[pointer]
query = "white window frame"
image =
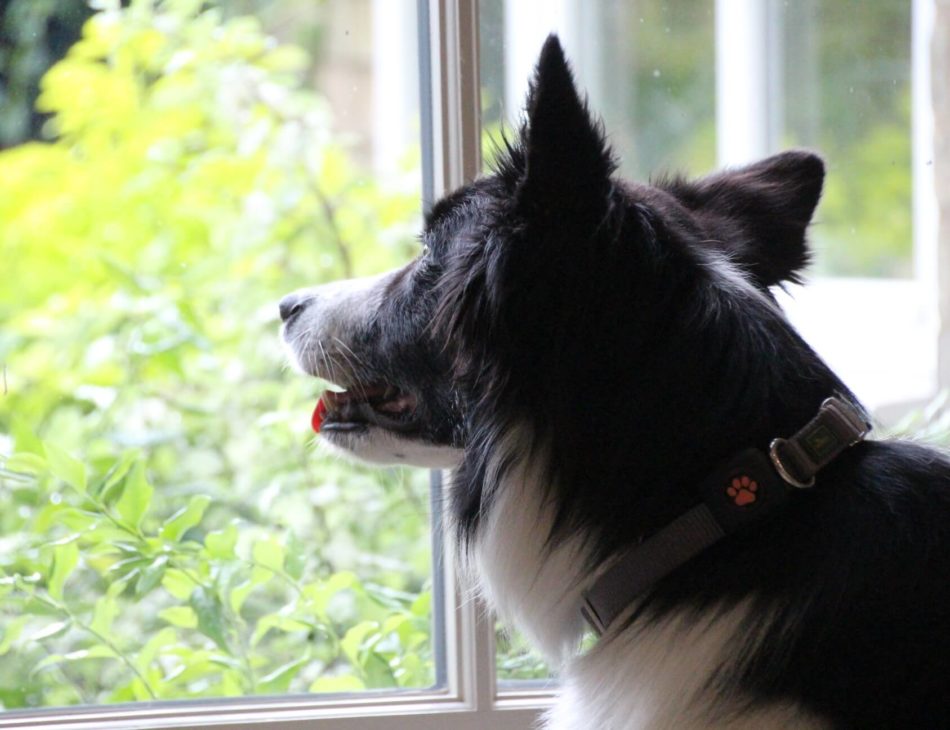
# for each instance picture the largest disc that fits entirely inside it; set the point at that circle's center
(471, 698)
(880, 335)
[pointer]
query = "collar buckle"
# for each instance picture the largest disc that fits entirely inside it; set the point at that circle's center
(780, 467)
(837, 426)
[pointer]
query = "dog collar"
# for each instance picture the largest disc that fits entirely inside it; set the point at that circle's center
(743, 490)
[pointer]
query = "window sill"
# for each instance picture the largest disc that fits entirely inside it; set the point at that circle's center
(420, 711)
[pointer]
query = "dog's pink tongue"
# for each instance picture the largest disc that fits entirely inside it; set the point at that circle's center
(318, 413)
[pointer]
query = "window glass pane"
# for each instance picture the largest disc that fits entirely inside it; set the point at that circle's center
(648, 68)
(847, 93)
(168, 529)
(516, 661)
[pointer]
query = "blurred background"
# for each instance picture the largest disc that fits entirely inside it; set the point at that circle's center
(171, 168)
(168, 527)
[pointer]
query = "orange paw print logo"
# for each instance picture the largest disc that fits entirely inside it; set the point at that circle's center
(742, 490)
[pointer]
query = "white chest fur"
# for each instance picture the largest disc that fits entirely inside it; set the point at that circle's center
(530, 584)
(656, 678)
(648, 677)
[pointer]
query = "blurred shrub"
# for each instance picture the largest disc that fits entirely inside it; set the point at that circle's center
(167, 530)
(864, 225)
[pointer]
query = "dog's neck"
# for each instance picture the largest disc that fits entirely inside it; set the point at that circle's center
(531, 581)
(539, 584)
(742, 491)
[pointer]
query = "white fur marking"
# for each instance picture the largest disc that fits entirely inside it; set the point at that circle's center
(534, 586)
(338, 306)
(379, 446)
(656, 676)
(645, 677)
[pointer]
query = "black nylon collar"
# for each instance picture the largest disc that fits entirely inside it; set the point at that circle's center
(745, 489)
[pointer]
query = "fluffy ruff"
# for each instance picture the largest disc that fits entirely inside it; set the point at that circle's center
(582, 350)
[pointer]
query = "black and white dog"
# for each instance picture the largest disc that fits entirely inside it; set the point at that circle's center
(602, 365)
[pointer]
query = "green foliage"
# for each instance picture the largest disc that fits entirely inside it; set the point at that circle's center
(176, 611)
(168, 530)
(847, 86)
(864, 223)
(516, 660)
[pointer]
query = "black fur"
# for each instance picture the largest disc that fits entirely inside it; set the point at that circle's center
(597, 311)
(630, 327)
(758, 215)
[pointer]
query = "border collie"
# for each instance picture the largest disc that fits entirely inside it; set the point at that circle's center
(638, 436)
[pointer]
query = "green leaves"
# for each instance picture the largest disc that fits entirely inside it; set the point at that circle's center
(338, 683)
(211, 620)
(278, 681)
(161, 505)
(312, 626)
(65, 559)
(94, 652)
(181, 616)
(115, 475)
(269, 554)
(151, 575)
(136, 496)
(64, 466)
(220, 544)
(50, 630)
(278, 621)
(11, 632)
(178, 584)
(185, 518)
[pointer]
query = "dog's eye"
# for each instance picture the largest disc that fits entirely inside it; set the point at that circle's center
(425, 250)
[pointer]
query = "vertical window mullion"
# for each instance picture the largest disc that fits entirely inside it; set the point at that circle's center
(455, 128)
(927, 257)
(455, 93)
(743, 81)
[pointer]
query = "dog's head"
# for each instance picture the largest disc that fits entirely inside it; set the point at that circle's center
(612, 318)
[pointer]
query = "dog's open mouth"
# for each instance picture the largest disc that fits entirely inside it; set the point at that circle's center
(359, 407)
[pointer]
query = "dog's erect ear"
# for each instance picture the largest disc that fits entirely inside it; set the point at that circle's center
(758, 214)
(567, 165)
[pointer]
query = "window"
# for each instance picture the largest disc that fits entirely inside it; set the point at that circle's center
(207, 167)
(172, 537)
(855, 88)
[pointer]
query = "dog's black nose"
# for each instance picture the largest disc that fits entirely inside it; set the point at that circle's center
(293, 304)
